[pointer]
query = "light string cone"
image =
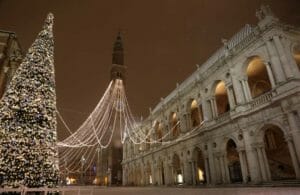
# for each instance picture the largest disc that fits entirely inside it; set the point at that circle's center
(28, 153)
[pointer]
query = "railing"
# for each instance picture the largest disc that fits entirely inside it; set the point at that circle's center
(223, 117)
(74, 190)
(267, 97)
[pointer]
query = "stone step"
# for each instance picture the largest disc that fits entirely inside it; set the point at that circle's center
(282, 183)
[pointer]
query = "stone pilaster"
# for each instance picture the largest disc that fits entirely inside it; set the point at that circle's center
(246, 89)
(211, 162)
(193, 170)
(207, 172)
(230, 96)
(295, 131)
(238, 89)
(282, 56)
(243, 164)
(213, 108)
(251, 158)
(275, 61)
(270, 75)
(207, 112)
(293, 155)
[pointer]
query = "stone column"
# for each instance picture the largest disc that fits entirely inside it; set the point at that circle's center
(282, 55)
(158, 175)
(188, 121)
(217, 169)
(211, 162)
(207, 173)
(270, 74)
(290, 57)
(207, 112)
(153, 170)
(243, 165)
(213, 107)
(187, 172)
(275, 62)
(227, 176)
(268, 173)
(262, 163)
(230, 97)
(246, 90)
(173, 175)
(168, 176)
(293, 156)
(142, 174)
(193, 172)
(222, 166)
(183, 122)
(238, 89)
(253, 165)
(251, 158)
(295, 131)
(124, 178)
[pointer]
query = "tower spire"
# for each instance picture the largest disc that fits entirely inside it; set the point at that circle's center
(118, 68)
(118, 55)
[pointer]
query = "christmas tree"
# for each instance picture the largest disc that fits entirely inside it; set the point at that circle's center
(28, 154)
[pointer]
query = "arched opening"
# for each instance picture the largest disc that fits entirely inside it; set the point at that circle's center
(158, 132)
(195, 113)
(174, 125)
(199, 166)
(221, 98)
(258, 79)
(279, 159)
(296, 53)
(234, 166)
(177, 172)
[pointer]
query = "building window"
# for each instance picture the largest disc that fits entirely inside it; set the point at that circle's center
(258, 79)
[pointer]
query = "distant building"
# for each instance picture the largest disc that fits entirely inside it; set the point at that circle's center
(10, 58)
(238, 114)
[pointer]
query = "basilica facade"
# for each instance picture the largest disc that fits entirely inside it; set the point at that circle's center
(236, 119)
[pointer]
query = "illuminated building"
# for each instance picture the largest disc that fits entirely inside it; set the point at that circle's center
(238, 115)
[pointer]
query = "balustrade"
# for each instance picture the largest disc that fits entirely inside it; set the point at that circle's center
(262, 99)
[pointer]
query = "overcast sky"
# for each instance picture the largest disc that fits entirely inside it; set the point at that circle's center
(163, 40)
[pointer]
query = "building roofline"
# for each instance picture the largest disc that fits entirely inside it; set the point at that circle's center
(8, 32)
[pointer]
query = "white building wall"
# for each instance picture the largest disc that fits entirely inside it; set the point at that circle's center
(247, 119)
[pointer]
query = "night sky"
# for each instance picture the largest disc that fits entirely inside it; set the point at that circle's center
(163, 40)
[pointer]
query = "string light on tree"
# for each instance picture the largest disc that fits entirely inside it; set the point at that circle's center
(28, 153)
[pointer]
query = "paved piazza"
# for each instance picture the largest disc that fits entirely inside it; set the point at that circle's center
(191, 191)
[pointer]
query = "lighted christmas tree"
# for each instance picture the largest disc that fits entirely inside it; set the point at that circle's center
(28, 154)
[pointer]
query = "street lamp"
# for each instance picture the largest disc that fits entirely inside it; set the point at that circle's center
(82, 160)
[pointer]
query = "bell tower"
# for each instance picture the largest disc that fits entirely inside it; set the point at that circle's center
(118, 69)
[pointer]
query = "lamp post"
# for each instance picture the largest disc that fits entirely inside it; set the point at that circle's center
(82, 169)
(98, 167)
(64, 179)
